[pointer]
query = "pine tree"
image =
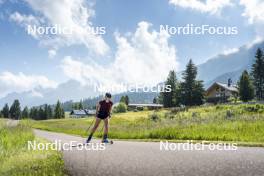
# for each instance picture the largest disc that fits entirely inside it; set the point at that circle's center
(25, 113)
(246, 89)
(124, 99)
(59, 112)
(34, 113)
(192, 91)
(75, 106)
(41, 114)
(169, 98)
(80, 105)
(198, 96)
(5, 111)
(15, 110)
(62, 113)
(49, 112)
(258, 74)
(46, 112)
(155, 101)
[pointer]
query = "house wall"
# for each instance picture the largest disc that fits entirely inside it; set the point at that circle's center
(148, 107)
(218, 93)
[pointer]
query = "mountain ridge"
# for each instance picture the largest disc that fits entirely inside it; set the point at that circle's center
(217, 69)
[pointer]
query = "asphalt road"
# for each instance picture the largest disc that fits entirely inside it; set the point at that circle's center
(146, 159)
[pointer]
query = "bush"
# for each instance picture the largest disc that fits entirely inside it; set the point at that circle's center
(218, 107)
(131, 109)
(216, 100)
(121, 107)
(229, 114)
(169, 115)
(253, 109)
(140, 108)
(178, 109)
(146, 108)
(154, 116)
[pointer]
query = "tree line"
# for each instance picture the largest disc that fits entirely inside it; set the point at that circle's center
(43, 112)
(190, 92)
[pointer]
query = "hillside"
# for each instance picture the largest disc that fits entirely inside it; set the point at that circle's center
(199, 123)
(219, 69)
(140, 97)
(222, 67)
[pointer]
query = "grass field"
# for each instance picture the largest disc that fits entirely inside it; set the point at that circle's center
(17, 160)
(240, 123)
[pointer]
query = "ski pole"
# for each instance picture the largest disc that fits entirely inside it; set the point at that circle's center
(90, 126)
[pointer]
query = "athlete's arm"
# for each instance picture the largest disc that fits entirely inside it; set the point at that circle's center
(97, 109)
(110, 111)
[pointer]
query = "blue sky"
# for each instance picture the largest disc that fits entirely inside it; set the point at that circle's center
(132, 36)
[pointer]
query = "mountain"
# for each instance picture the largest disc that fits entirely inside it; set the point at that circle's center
(134, 97)
(222, 67)
(70, 90)
(235, 75)
(217, 69)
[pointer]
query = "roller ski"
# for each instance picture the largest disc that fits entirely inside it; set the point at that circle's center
(106, 141)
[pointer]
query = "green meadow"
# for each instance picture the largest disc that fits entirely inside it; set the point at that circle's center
(17, 160)
(237, 123)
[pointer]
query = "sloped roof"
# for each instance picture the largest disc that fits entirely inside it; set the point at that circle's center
(89, 111)
(146, 105)
(83, 112)
(78, 112)
(231, 88)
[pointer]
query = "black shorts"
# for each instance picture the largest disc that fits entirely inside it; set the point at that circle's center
(102, 115)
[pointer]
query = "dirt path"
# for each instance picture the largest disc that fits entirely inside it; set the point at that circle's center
(146, 159)
(12, 123)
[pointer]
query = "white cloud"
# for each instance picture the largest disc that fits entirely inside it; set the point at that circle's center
(143, 57)
(254, 13)
(25, 20)
(207, 6)
(254, 10)
(230, 51)
(257, 40)
(10, 82)
(70, 14)
(84, 73)
(52, 53)
(35, 93)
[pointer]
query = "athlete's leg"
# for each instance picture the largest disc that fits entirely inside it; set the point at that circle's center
(106, 125)
(96, 124)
